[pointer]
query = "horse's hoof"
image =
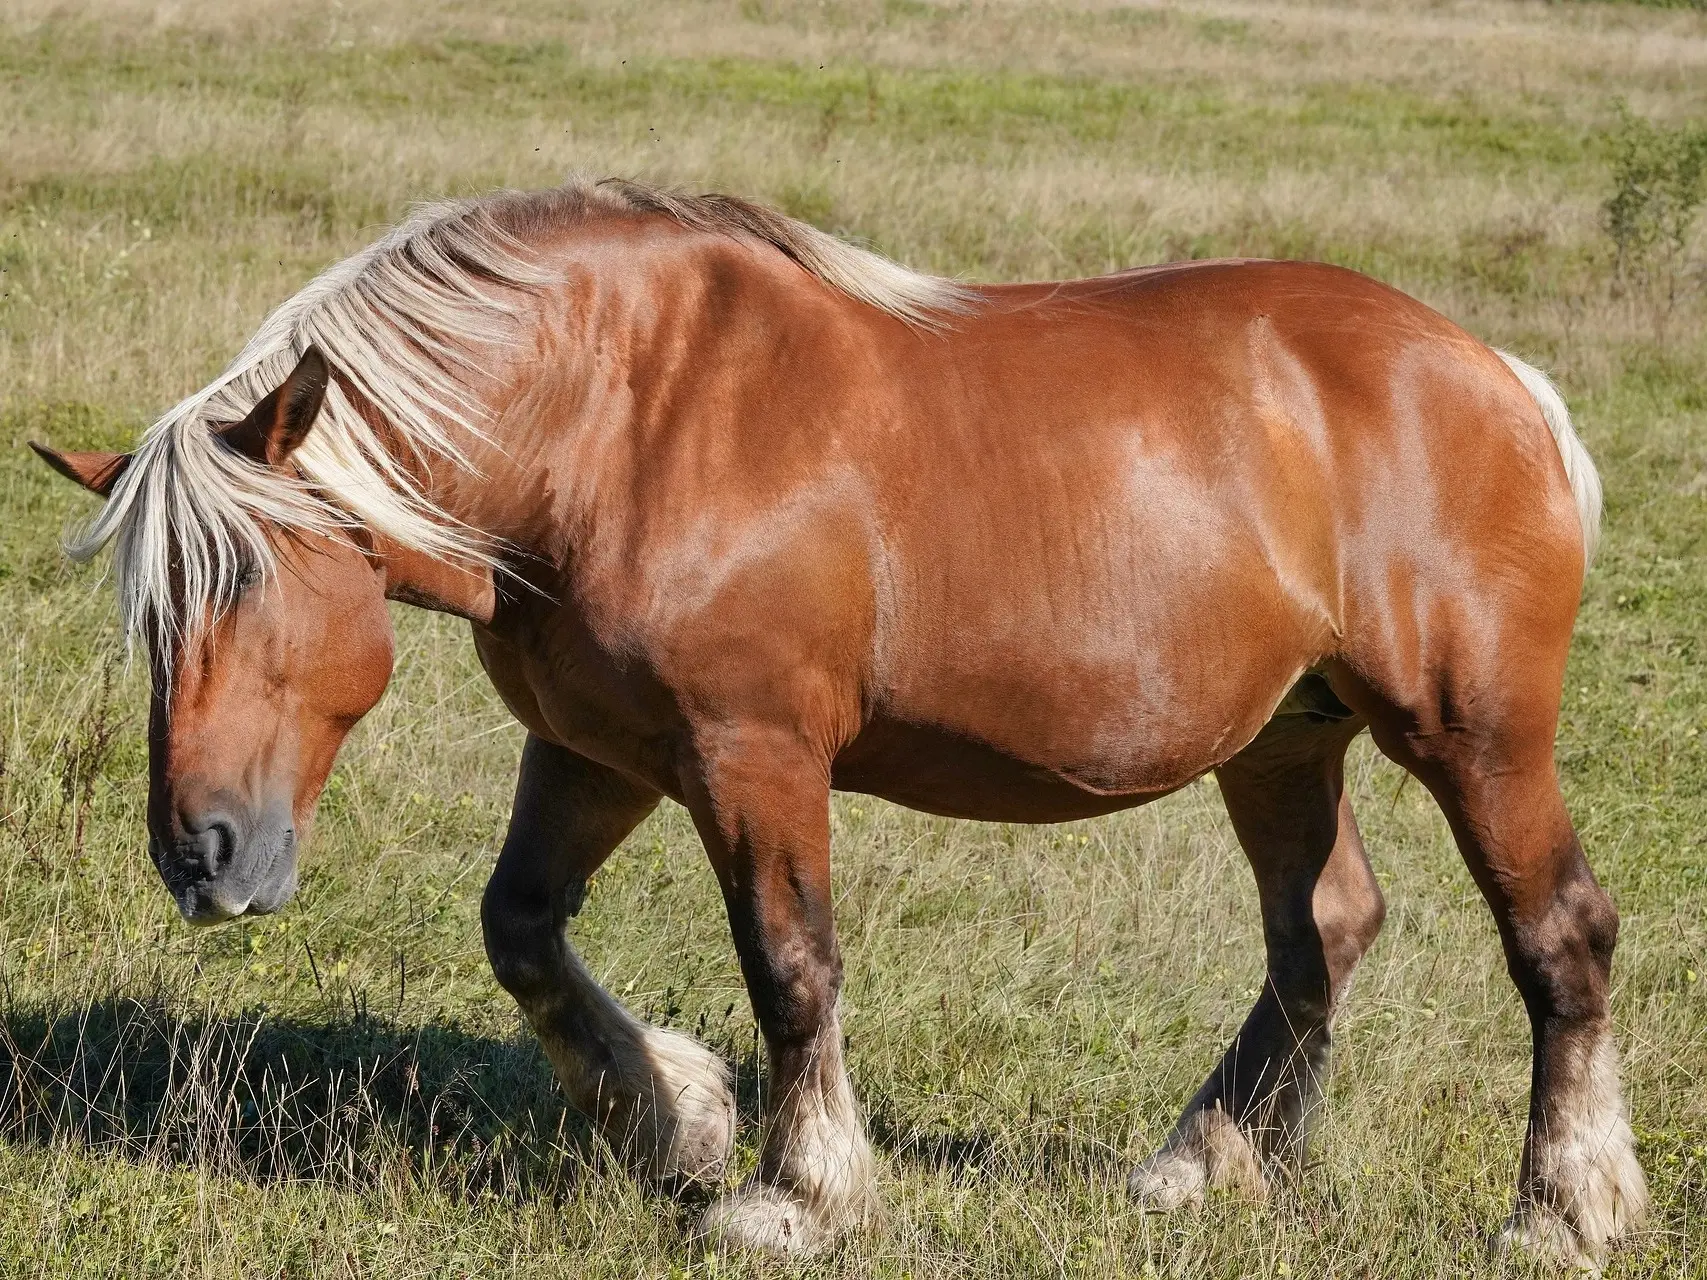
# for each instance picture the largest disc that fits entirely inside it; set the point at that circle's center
(1168, 1181)
(1586, 1189)
(1207, 1152)
(764, 1219)
(1610, 1199)
(1545, 1236)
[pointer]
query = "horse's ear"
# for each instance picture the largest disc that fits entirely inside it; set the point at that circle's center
(280, 422)
(96, 472)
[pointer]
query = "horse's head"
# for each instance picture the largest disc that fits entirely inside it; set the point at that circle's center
(250, 704)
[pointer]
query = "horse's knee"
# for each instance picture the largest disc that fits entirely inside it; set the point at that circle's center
(796, 992)
(793, 967)
(1560, 952)
(522, 925)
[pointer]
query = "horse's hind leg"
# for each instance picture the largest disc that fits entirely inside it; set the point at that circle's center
(1483, 745)
(661, 1098)
(1321, 909)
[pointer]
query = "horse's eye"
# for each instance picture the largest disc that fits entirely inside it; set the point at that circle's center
(248, 578)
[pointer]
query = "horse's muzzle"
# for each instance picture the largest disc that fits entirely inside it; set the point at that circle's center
(218, 866)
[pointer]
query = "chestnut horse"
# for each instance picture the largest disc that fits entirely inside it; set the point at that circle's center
(741, 514)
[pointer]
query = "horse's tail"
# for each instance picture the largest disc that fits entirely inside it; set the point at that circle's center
(1579, 467)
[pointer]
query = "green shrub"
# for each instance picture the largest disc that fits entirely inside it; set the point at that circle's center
(1659, 181)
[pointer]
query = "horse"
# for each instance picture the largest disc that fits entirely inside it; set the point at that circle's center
(740, 513)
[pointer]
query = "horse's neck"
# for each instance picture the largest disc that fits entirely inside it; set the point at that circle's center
(482, 496)
(563, 410)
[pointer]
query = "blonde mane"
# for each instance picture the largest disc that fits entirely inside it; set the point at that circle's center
(397, 322)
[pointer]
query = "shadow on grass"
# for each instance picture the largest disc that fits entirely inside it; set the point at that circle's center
(269, 1099)
(1041, 1151)
(356, 1100)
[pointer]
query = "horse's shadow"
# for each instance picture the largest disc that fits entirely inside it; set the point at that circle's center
(1039, 1152)
(346, 1100)
(272, 1098)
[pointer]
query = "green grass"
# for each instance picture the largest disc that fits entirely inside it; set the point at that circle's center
(343, 1089)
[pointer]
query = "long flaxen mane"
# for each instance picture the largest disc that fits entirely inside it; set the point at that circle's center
(400, 323)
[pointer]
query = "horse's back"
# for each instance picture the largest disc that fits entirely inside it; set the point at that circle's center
(1065, 554)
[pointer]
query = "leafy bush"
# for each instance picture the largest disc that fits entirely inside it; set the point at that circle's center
(1659, 184)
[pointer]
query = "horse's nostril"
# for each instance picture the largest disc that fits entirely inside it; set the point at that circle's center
(213, 842)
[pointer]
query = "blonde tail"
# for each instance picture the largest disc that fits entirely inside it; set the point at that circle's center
(1579, 467)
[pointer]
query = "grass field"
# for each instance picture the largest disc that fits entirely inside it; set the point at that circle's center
(343, 1089)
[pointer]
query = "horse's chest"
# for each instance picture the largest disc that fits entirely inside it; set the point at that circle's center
(579, 696)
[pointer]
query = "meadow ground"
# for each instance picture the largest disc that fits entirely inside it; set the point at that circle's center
(343, 1089)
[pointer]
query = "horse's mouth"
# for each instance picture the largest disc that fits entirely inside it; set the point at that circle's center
(208, 901)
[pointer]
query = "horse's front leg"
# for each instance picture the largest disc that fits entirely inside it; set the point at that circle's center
(761, 803)
(661, 1098)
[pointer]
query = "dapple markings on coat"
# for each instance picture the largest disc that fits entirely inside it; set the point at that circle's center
(740, 514)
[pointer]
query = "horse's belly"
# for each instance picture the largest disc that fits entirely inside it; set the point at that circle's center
(943, 770)
(1105, 704)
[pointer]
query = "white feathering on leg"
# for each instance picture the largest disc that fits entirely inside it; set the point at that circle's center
(1583, 1187)
(661, 1098)
(816, 1178)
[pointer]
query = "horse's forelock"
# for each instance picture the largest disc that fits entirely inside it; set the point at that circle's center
(190, 515)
